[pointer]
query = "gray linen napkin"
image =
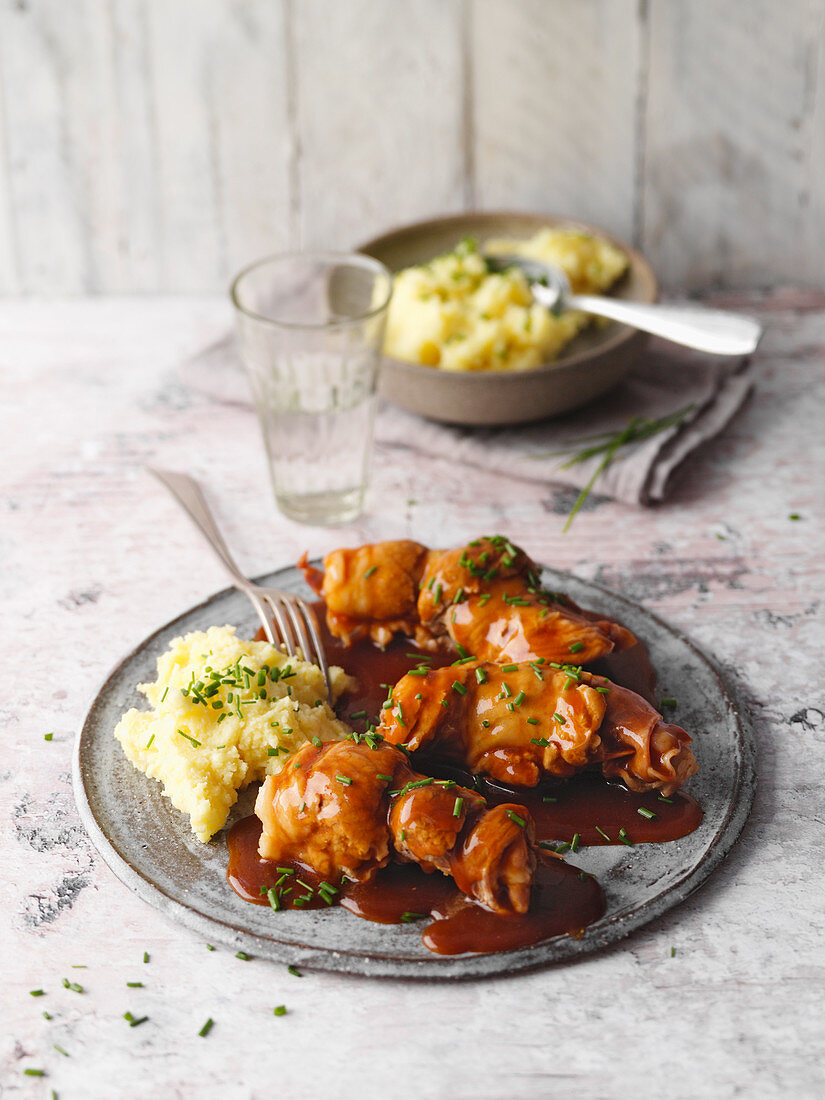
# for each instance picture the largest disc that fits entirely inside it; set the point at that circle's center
(666, 379)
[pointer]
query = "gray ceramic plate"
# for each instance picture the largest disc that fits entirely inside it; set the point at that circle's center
(149, 846)
(596, 360)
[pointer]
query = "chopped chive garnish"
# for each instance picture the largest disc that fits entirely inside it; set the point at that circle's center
(668, 703)
(576, 647)
(34, 1072)
(481, 675)
(574, 843)
(420, 783)
(48, 736)
(485, 723)
(134, 1022)
(438, 593)
(345, 779)
(37, 992)
(509, 668)
(294, 971)
(458, 805)
(242, 955)
(207, 1027)
(460, 688)
(165, 693)
(209, 947)
(583, 875)
(518, 820)
(549, 798)
(408, 917)
(146, 956)
(357, 714)
(519, 699)
(794, 515)
(603, 690)
(273, 750)
(663, 799)
(193, 740)
(74, 986)
(135, 985)
(559, 718)
(47, 1015)
(402, 835)
(279, 1010)
(542, 742)
(603, 833)
(60, 1050)
(673, 949)
(532, 721)
(624, 838)
(645, 812)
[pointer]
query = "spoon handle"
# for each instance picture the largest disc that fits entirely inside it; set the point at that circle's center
(693, 326)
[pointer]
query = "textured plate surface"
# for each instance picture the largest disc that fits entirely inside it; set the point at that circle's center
(150, 847)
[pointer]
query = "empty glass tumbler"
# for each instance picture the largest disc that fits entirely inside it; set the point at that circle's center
(311, 328)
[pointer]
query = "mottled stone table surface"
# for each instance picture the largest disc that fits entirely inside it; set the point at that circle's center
(722, 997)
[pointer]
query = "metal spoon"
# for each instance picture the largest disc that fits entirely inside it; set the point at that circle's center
(711, 330)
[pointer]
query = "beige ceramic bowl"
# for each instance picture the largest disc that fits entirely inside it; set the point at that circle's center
(590, 364)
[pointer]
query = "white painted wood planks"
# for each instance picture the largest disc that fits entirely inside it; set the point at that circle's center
(149, 146)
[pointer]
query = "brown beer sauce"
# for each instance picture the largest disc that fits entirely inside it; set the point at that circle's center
(564, 899)
(568, 814)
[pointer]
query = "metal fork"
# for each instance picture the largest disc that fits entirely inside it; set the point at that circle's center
(294, 618)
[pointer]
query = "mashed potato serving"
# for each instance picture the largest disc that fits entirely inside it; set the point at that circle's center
(224, 713)
(454, 314)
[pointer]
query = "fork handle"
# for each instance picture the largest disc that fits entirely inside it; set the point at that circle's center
(189, 495)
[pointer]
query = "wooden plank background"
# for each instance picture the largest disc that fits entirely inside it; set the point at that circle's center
(157, 145)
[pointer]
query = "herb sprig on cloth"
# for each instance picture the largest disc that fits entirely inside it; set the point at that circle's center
(608, 444)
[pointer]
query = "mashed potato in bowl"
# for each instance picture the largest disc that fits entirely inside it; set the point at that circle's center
(224, 713)
(453, 314)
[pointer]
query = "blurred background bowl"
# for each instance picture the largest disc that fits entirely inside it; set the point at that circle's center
(588, 366)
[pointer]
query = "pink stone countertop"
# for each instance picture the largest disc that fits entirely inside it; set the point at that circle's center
(92, 560)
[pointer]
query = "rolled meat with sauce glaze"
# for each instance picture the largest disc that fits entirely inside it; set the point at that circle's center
(348, 808)
(485, 596)
(521, 723)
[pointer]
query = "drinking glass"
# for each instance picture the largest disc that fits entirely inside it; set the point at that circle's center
(311, 328)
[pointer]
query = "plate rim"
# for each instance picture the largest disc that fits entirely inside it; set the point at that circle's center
(610, 930)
